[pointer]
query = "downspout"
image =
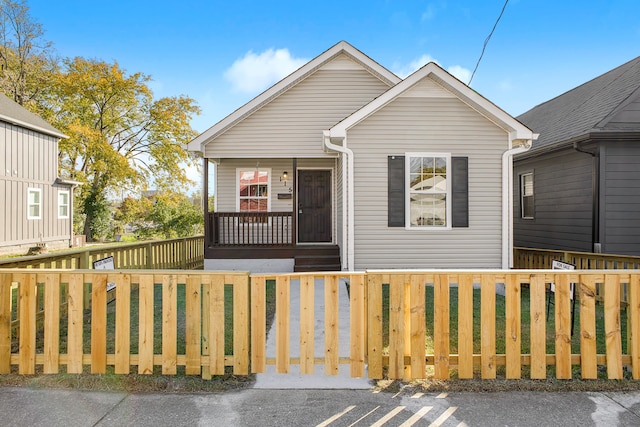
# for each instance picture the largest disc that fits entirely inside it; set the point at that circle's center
(507, 200)
(348, 234)
(595, 199)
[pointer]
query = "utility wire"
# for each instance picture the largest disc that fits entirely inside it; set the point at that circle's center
(487, 41)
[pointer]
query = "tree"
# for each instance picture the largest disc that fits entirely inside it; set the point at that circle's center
(25, 62)
(119, 136)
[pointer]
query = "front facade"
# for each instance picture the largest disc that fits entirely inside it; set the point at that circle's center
(38, 205)
(343, 157)
(578, 188)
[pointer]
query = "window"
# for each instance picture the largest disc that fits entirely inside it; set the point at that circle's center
(526, 195)
(34, 203)
(253, 190)
(63, 204)
(428, 190)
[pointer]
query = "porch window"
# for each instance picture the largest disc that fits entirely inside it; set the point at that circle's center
(63, 204)
(253, 190)
(526, 195)
(428, 190)
(34, 203)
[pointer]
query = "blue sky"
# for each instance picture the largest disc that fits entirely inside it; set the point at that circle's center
(222, 54)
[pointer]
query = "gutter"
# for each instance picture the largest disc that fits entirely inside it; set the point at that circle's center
(595, 198)
(348, 234)
(507, 198)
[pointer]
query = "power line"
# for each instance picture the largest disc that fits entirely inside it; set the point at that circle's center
(487, 41)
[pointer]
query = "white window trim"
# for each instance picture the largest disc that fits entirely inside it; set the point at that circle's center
(67, 192)
(269, 186)
(34, 190)
(522, 195)
(407, 180)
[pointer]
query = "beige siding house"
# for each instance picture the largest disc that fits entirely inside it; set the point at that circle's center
(37, 203)
(343, 165)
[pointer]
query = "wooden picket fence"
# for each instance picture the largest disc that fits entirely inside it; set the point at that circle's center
(190, 308)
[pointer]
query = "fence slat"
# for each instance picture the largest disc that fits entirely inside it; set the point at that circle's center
(441, 326)
(27, 316)
(123, 321)
(634, 328)
(241, 324)
(283, 304)
(51, 322)
(538, 327)
(216, 320)
(5, 323)
(307, 284)
(357, 325)
(588, 352)
(488, 326)
(418, 325)
(465, 326)
(145, 324)
(169, 323)
(374, 325)
(562, 304)
(98, 322)
(396, 326)
(612, 326)
(512, 334)
(331, 304)
(75, 314)
(258, 324)
(193, 322)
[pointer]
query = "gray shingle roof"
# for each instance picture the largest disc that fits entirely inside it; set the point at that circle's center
(14, 113)
(585, 108)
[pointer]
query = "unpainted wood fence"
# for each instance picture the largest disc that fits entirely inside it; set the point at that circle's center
(183, 253)
(532, 258)
(201, 322)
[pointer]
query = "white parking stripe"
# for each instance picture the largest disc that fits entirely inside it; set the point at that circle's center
(442, 395)
(417, 395)
(387, 417)
(364, 416)
(335, 417)
(442, 418)
(417, 416)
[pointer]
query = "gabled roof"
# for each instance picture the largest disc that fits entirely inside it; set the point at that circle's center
(14, 113)
(587, 108)
(448, 82)
(283, 85)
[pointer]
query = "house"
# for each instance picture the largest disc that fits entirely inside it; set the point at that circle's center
(38, 205)
(343, 165)
(579, 185)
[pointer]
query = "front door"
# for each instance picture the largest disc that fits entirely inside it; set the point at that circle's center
(314, 206)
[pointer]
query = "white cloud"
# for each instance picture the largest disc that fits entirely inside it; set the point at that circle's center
(463, 74)
(256, 72)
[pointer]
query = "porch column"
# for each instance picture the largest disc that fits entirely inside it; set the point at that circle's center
(294, 214)
(205, 201)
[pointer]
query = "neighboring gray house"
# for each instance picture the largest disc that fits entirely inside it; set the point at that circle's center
(579, 185)
(343, 165)
(37, 203)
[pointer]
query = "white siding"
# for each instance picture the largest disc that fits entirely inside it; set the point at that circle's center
(438, 123)
(291, 125)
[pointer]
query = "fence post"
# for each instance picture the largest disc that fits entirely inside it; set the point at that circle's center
(149, 256)
(84, 260)
(184, 253)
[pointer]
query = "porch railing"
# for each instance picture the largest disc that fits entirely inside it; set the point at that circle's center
(250, 229)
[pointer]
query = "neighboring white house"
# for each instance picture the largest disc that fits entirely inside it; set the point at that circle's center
(38, 205)
(361, 169)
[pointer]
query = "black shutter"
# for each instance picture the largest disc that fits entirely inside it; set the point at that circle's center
(460, 192)
(396, 189)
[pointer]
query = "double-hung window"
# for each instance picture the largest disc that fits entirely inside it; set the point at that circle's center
(428, 195)
(526, 195)
(253, 187)
(34, 203)
(63, 204)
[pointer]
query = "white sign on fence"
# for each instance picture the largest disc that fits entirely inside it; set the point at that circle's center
(105, 264)
(559, 265)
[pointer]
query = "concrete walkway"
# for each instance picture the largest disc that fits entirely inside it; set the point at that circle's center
(318, 380)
